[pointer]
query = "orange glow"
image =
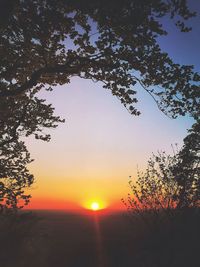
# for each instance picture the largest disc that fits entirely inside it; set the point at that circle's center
(95, 205)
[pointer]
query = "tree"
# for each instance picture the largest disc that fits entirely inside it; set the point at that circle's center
(164, 206)
(170, 183)
(187, 169)
(45, 43)
(20, 116)
(155, 191)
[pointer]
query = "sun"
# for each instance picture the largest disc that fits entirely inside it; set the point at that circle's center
(95, 206)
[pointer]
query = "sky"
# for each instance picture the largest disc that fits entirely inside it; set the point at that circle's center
(91, 156)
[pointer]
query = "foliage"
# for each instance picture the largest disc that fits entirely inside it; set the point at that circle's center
(20, 116)
(187, 169)
(115, 42)
(165, 206)
(155, 189)
(170, 183)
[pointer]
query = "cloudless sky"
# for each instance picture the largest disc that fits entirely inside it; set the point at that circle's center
(91, 156)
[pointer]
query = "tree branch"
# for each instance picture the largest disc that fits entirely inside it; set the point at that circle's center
(34, 79)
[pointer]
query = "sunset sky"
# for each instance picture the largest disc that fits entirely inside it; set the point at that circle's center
(92, 154)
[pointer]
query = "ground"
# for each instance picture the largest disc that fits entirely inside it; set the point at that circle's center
(93, 239)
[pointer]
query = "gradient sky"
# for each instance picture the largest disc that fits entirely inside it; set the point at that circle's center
(91, 156)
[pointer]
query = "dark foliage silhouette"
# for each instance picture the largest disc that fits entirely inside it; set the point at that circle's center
(165, 202)
(170, 182)
(187, 169)
(20, 117)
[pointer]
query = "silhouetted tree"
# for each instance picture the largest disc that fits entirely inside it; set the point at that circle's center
(170, 182)
(164, 206)
(20, 116)
(154, 190)
(187, 169)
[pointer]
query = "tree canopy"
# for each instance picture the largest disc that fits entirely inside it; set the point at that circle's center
(47, 42)
(20, 116)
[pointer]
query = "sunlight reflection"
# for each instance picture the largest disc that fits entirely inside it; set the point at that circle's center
(99, 245)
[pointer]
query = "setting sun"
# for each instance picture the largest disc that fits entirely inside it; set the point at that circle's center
(95, 206)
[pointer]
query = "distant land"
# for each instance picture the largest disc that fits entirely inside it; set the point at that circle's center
(93, 239)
